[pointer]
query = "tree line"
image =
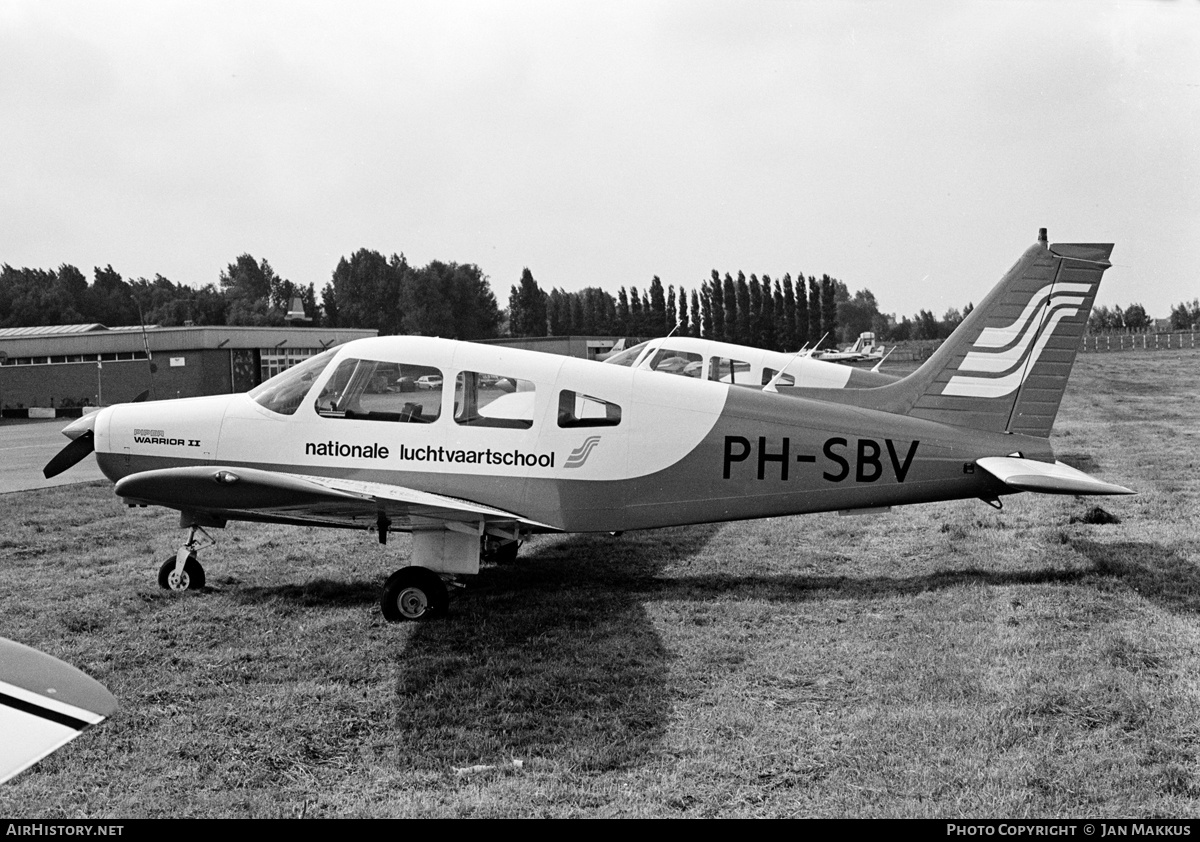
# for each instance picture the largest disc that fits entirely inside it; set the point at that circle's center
(453, 300)
(782, 314)
(366, 290)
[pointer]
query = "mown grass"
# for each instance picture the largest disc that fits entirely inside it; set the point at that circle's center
(939, 661)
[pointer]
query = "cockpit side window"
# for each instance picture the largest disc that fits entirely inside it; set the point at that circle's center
(284, 392)
(576, 409)
(371, 390)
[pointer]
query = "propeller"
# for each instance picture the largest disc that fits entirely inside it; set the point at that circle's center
(83, 441)
(75, 450)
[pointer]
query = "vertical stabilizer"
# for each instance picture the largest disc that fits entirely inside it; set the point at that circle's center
(1008, 371)
(1005, 368)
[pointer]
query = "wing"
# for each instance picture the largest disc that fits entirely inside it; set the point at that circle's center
(257, 495)
(44, 704)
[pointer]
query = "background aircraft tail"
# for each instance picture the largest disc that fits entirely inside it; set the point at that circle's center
(1005, 368)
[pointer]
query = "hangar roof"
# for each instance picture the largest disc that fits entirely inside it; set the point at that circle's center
(49, 330)
(66, 339)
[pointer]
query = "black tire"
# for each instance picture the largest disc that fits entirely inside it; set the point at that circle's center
(495, 551)
(414, 593)
(191, 579)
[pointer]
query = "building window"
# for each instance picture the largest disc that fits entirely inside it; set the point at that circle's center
(274, 360)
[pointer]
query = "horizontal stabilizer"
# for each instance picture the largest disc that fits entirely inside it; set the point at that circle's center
(1045, 477)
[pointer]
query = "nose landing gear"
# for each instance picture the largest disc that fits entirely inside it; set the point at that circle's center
(182, 571)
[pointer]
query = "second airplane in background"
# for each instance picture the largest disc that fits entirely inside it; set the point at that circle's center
(741, 365)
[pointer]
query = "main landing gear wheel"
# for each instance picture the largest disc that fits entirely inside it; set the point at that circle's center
(414, 593)
(191, 578)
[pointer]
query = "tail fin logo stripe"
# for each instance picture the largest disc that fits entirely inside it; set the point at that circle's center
(997, 387)
(580, 454)
(994, 362)
(998, 337)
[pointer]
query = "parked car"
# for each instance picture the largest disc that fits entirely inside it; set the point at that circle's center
(429, 381)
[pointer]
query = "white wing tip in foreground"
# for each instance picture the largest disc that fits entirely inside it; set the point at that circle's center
(44, 704)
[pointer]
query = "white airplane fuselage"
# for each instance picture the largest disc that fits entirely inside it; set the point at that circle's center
(682, 451)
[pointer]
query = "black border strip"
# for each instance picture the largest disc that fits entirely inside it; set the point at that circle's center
(44, 713)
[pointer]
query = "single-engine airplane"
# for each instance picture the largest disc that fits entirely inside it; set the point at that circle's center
(44, 704)
(708, 359)
(511, 442)
(851, 353)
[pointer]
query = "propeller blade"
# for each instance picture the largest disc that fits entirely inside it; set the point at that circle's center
(75, 450)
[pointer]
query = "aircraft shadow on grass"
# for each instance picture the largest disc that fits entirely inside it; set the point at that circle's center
(1161, 575)
(551, 657)
(556, 657)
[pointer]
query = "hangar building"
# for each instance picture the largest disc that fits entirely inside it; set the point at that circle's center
(91, 365)
(583, 347)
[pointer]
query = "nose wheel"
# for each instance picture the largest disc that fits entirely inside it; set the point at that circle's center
(189, 577)
(182, 571)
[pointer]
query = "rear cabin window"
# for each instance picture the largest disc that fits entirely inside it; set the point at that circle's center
(371, 390)
(576, 409)
(784, 379)
(482, 399)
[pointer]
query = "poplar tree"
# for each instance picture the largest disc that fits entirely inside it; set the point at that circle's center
(788, 338)
(731, 310)
(716, 296)
(743, 311)
(814, 313)
(656, 311)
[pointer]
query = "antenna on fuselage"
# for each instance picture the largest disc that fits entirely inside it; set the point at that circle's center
(875, 368)
(770, 387)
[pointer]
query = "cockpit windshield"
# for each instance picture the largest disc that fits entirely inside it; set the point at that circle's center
(629, 356)
(284, 392)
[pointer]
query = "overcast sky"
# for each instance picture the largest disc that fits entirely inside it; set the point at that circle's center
(911, 148)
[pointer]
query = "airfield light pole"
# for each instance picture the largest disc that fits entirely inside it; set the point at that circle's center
(99, 384)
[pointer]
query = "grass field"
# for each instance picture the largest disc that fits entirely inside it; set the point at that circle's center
(939, 661)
